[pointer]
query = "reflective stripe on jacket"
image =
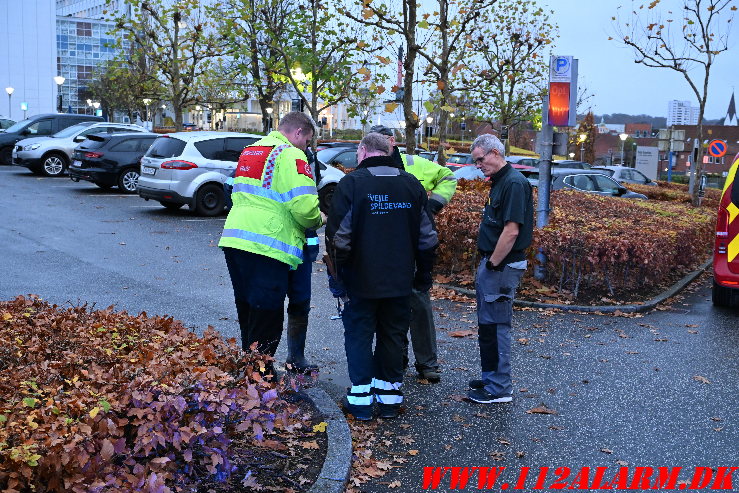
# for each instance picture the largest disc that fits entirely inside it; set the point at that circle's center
(437, 179)
(274, 201)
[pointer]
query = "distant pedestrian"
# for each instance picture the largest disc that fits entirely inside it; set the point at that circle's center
(274, 202)
(505, 234)
(440, 184)
(381, 239)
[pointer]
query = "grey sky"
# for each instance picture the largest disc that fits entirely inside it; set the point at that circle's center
(608, 70)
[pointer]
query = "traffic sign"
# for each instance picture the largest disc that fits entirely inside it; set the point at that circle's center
(717, 148)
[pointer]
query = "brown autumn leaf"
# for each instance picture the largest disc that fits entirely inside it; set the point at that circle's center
(394, 484)
(462, 333)
(606, 451)
(413, 452)
(701, 379)
(542, 409)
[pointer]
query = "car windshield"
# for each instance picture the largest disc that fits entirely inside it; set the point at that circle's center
(18, 126)
(325, 155)
(70, 131)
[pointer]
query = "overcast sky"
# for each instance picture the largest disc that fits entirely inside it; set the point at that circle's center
(608, 70)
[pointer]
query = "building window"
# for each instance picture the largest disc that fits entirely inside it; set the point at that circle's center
(84, 29)
(84, 72)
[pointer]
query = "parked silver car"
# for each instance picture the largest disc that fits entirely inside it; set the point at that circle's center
(623, 174)
(190, 168)
(52, 155)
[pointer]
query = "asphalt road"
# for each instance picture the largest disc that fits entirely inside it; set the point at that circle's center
(655, 390)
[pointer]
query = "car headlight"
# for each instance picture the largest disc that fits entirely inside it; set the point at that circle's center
(32, 147)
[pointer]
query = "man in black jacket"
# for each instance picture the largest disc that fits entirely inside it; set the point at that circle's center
(382, 241)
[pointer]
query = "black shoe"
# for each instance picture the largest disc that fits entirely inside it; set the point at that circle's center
(432, 375)
(484, 397)
(388, 411)
(360, 413)
(302, 367)
(477, 384)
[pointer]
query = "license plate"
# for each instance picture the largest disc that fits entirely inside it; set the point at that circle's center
(148, 171)
(76, 163)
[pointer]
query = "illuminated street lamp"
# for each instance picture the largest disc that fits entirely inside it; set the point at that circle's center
(96, 105)
(89, 104)
(623, 138)
(147, 102)
(9, 90)
(582, 138)
(572, 154)
(269, 112)
(59, 81)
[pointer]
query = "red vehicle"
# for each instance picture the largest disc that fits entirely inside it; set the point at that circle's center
(726, 252)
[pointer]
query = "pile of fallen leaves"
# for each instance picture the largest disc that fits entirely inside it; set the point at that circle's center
(105, 401)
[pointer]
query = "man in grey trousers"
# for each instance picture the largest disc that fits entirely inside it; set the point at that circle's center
(505, 233)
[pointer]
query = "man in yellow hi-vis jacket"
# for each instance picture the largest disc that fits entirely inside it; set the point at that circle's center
(274, 201)
(440, 184)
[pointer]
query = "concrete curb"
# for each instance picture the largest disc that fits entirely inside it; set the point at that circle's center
(672, 291)
(335, 472)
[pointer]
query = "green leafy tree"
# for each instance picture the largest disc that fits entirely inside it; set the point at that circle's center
(123, 85)
(508, 78)
(686, 41)
(440, 38)
(317, 50)
(179, 39)
(248, 26)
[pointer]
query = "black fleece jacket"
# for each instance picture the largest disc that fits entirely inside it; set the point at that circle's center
(379, 232)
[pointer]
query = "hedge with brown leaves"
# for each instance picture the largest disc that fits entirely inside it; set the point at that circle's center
(593, 243)
(104, 401)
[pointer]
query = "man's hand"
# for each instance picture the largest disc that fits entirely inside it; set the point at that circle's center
(489, 266)
(324, 218)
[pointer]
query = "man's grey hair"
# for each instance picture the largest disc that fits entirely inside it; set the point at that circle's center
(488, 142)
(376, 142)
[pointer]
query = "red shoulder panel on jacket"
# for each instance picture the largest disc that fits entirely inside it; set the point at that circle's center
(252, 161)
(304, 168)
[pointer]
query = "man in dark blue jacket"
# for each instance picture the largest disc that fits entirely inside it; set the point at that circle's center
(382, 241)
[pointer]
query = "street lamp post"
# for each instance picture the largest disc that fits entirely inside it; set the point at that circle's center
(429, 121)
(9, 90)
(147, 102)
(623, 138)
(582, 138)
(633, 154)
(59, 81)
(89, 105)
(269, 112)
(96, 105)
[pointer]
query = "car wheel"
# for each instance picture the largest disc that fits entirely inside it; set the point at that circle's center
(104, 186)
(128, 180)
(6, 156)
(53, 165)
(325, 196)
(720, 295)
(210, 200)
(172, 206)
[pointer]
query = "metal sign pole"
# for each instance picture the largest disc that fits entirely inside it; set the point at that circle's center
(545, 179)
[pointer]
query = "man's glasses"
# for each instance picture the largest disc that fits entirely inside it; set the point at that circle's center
(482, 158)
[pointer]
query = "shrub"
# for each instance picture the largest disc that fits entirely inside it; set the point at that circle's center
(677, 192)
(593, 243)
(104, 401)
